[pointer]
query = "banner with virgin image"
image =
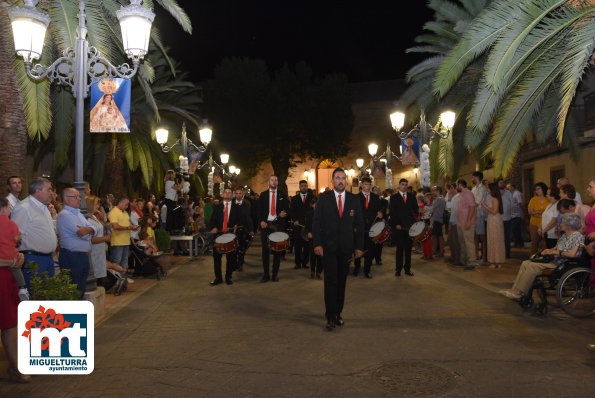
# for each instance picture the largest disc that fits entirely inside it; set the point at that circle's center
(110, 106)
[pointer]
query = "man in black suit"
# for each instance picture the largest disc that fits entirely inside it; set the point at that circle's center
(372, 211)
(224, 219)
(403, 211)
(299, 205)
(245, 228)
(272, 207)
(337, 233)
(384, 209)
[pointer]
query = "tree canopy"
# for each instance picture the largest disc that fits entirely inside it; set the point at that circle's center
(259, 116)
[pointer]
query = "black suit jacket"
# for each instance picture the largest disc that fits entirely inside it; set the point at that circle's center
(281, 204)
(374, 206)
(403, 214)
(298, 208)
(338, 235)
(217, 217)
(245, 216)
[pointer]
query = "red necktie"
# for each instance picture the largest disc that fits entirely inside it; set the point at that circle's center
(367, 201)
(225, 218)
(340, 207)
(273, 204)
(303, 198)
(404, 198)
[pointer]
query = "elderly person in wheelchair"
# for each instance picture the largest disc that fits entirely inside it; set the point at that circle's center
(569, 245)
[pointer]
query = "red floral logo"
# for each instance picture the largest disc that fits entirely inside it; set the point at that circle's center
(43, 319)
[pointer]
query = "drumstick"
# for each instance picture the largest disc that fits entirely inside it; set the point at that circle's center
(353, 258)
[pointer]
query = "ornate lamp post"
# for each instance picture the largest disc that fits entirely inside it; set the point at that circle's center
(425, 132)
(82, 63)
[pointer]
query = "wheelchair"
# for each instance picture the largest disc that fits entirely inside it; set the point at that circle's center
(570, 282)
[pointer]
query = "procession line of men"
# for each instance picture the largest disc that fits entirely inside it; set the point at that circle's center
(333, 229)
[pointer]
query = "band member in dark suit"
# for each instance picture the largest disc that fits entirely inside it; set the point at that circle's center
(403, 212)
(384, 209)
(315, 261)
(224, 219)
(300, 204)
(371, 210)
(273, 208)
(245, 233)
(338, 234)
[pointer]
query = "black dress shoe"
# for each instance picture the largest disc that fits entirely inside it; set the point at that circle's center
(397, 273)
(330, 325)
(409, 273)
(264, 279)
(216, 282)
(369, 276)
(339, 321)
(275, 278)
(229, 281)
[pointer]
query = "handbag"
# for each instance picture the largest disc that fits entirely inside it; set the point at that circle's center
(538, 258)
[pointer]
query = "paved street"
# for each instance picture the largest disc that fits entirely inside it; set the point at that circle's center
(443, 332)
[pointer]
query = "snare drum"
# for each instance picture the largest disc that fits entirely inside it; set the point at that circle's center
(420, 231)
(278, 241)
(226, 243)
(379, 232)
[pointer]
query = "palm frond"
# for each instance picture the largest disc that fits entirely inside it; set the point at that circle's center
(426, 49)
(36, 101)
(63, 15)
(579, 48)
(526, 17)
(479, 36)
(448, 11)
(178, 13)
(63, 108)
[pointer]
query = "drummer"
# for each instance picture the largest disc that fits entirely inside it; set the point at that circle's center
(224, 219)
(273, 207)
(403, 213)
(372, 211)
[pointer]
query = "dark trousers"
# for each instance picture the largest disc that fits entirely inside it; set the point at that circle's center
(517, 235)
(301, 248)
(404, 244)
(507, 236)
(378, 253)
(336, 268)
(368, 256)
(264, 235)
(229, 267)
(78, 265)
(243, 243)
(44, 263)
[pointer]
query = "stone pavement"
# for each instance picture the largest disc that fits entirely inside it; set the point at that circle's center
(443, 332)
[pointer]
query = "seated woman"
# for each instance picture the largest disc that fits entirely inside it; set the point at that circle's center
(570, 244)
(147, 239)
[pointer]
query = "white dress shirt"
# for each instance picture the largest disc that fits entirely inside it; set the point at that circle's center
(38, 232)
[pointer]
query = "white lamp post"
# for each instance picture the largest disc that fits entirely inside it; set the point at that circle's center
(81, 63)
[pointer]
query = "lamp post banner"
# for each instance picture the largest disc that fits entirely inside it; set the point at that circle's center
(410, 151)
(110, 106)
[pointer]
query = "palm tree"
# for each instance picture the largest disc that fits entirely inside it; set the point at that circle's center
(535, 53)
(443, 33)
(103, 34)
(134, 162)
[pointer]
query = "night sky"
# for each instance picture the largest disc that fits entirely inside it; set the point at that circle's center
(365, 40)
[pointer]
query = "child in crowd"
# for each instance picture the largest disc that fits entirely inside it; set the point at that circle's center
(10, 238)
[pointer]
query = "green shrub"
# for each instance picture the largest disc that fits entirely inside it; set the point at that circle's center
(162, 239)
(59, 287)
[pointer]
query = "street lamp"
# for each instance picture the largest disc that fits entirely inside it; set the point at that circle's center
(161, 136)
(81, 63)
(423, 130)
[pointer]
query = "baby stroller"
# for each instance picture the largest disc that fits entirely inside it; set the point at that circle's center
(115, 282)
(145, 265)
